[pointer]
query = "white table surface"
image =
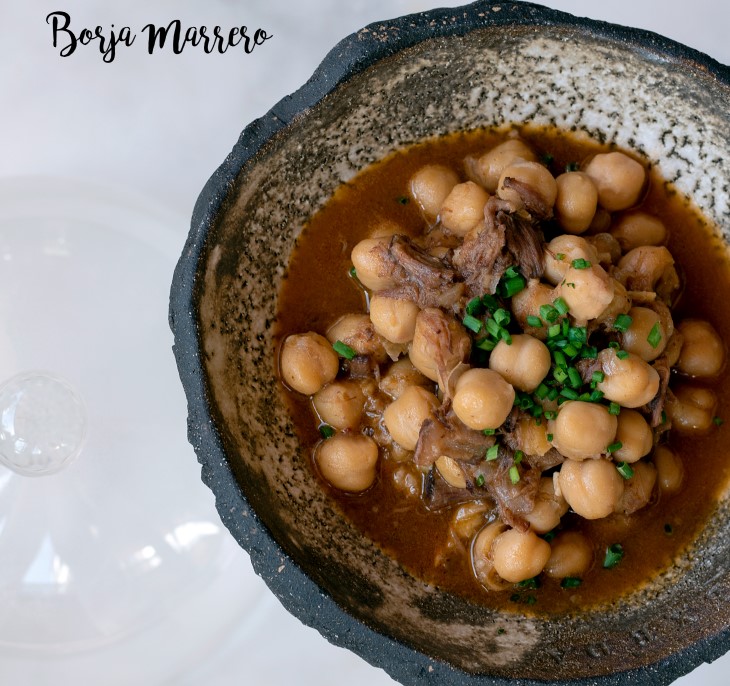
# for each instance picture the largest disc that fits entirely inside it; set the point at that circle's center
(159, 125)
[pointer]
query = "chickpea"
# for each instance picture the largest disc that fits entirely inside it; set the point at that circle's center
(691, 409)
(426, 352)
(531, 436)
(533, 175)
(638, 489)
(487, 169)
(404, 416)
(528, 302)
(618, 178)
(635, 229)
(630, 382)
(340, 404)
(670, 469)
(348, 461)
(463, 208)
(591, 487)
(576, 202)
(587, 292)
(372, 271)
(519, 556)
(483, 399)
(549, 508)
(571, 556)
(523, 363)
(308, 362)
(451, 472)
(357, 331)
(703, 352)
(636, 338)
(483, 558)
(635, 436)
(399, 376)
(583, 430)
(561, 251)
(468, 518)
(394, 319)
(429, 187)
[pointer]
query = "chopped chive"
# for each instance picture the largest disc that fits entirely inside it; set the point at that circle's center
(532, 320)
(574, 377)
(531, 600)
(514, 474)
(479, 481)
(489, 432)
(343, 350)
(571, 582)
(501, 316)
(625, 470)
(598, 376)
(471, 322)
(552, 394)
(585, 397)
(548, 313)
(614, 447)
(550, 438)
(560, 375)
(513, 286)
(580, 263)
(547, 159)
(614, 555)
(718, 421)
(595, 396)
(655, 336)
(566, 327)
(526, 402)
(536, 411)
(614, 345)
(505, 336)
(622, 322)
(570, 350)
(570, 284)
(554, 331)
(486, 344)
(530, 584)
(551, 414)
(326, 430)
(578, 335)
(550, 535)
(518, 456)
(621, 354)
(560, 359)
(590, 352)
(493, 452)
(541, 391)
(569, 393)
(560, 256)
(614, 408)
(561, 306)
(572, 167)
(493, 328)
(490, 302)
(353, 273)
(474, 306)
(511, 272)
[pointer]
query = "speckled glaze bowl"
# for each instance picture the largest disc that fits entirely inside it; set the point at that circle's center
(385, 87)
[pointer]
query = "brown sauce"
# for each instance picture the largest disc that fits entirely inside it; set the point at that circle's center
(318, 290)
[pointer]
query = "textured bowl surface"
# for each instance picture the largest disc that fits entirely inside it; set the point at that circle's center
(386, 87)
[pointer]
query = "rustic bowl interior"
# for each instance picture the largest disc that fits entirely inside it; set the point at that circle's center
(384, 88)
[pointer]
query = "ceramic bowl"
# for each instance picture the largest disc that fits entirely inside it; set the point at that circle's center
(385, 87)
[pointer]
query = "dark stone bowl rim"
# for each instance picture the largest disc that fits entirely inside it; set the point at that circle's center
(296, 591)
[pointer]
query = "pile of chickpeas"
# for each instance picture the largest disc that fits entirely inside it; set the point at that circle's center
(609, 282)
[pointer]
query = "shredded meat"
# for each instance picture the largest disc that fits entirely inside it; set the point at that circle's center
(534, 202)
(655, 408)
(420, 277)
(445, 342)
(446, 434)
(506, 237)
(649, 268)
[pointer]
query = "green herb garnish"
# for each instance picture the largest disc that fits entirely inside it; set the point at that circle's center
(580, 263)
(625, 470)
(571, 582)
(655, 336)
(614, 555)
(492, 453)
(343, 350)
(622, 322)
